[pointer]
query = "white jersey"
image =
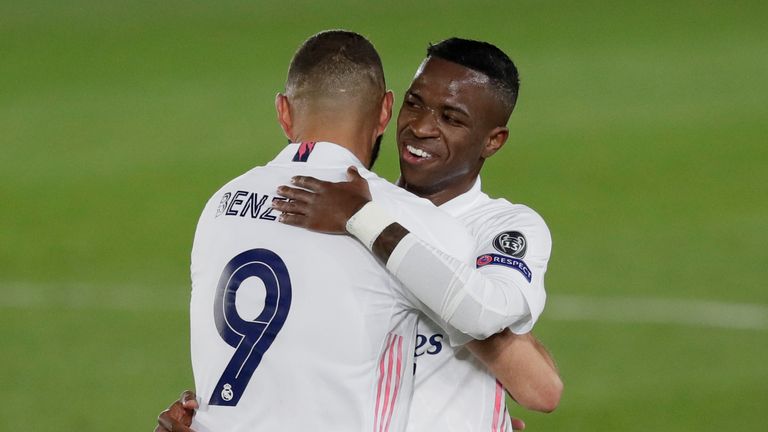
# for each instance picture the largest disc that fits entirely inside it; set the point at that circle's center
(293, 330)
(454, 391)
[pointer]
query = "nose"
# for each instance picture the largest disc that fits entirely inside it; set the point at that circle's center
(424, 125)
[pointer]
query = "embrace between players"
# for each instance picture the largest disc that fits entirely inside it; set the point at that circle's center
(300, 329)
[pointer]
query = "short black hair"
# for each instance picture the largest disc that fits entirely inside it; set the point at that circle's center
(485, 58)
(334, 63)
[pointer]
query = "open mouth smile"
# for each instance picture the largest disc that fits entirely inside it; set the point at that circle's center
(416, 154)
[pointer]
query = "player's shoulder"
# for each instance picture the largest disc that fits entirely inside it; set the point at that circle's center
(511, 228)
(500, 212)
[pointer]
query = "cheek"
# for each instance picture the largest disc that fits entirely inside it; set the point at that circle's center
(401, 122)
(405, 118)
(462, 151)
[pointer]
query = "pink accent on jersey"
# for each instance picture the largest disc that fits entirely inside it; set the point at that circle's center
(397, 382)
(306, 147)
(378, 387)
(497, 407)
(393, 357)
(389, 383)
(504, 417)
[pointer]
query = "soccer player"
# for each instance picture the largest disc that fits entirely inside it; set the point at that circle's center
(453, 118)
(276, 310)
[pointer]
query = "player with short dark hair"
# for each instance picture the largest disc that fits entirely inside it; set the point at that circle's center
(276, 310)
(335, 64)
(486, 58)
(320, 75)
(495, 83)
(335, 73)
(452, 119)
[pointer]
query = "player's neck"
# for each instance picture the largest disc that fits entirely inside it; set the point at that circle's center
(440, 194)
(354, 138)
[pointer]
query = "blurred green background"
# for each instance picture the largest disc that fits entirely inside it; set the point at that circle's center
(640, 136)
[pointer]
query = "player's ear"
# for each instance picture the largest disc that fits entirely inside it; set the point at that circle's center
(385, 114)
(496, 140)
(283, 108)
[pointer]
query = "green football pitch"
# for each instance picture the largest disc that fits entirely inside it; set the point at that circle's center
(640, 136)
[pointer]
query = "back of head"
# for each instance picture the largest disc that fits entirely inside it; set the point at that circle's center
(336, 68)
(486, 59)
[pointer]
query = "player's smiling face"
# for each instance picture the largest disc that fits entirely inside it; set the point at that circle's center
(448, 125)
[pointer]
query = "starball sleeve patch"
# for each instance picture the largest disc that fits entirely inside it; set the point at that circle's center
(512, 243)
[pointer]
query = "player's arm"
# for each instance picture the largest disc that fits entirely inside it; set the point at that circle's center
(524, 367)
(520, 362)
(467, 299)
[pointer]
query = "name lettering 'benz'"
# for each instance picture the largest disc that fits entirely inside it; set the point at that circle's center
(248, 204)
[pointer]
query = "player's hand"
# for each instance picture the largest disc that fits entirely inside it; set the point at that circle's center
(178, 416)
(518, 424)
(320, 205)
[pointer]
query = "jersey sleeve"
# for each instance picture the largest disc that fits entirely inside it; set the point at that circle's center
(496, 291)
(514, 251)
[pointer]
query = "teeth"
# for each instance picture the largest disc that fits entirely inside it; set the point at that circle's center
(418, 152)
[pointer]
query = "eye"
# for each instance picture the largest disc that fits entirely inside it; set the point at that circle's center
(411, 102)
(451, 120)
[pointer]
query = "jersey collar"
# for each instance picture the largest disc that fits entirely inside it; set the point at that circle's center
(320, 153)
(464, 201)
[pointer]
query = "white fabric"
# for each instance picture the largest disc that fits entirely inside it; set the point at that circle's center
(368, 222)
(464, 297)
(453, 390)
(345, 347)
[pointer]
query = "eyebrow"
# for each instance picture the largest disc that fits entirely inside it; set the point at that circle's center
(410, 92)
(456, 109)
(446, 107)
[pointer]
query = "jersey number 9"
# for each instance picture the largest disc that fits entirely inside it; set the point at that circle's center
(251, 339)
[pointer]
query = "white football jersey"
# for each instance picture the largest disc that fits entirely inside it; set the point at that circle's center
(293, 330)
(453, 390)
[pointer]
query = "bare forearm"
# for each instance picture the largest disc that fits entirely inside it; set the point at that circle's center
(524, 367)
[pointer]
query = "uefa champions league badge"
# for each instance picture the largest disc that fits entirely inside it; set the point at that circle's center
(506, 261)
(484, 260)
(227, 394)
